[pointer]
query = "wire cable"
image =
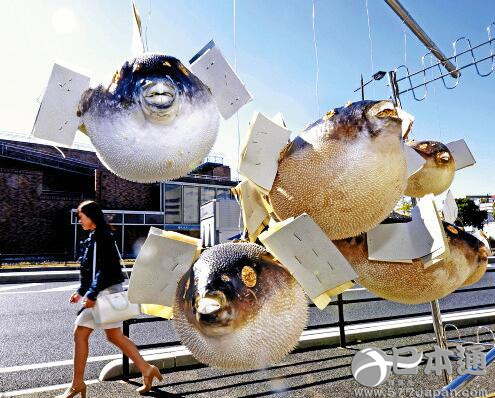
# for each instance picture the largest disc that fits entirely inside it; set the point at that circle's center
(371, 42)
(315, 44)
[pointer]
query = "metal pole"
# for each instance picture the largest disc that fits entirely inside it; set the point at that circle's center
(122, 236)
(125, 359)
(397, 7)
(340, 306)
(439, 333)
(392, 81)
(75, 237)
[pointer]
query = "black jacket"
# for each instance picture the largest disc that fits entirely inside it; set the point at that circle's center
(108, 270)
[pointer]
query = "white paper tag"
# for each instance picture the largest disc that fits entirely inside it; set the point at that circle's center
(226, 87)
(160, 264)
(312, 258)
(450, 209)
(259, 158)
(414, 160)
(407, 121)
(279, 119)
(403, 242)
(57, 120)
(461, 153)
(253, 210)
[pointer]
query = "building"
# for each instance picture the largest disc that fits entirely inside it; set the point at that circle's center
(39, 190)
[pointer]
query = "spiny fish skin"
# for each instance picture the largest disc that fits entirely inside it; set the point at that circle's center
(237, 308)
(346, 171)
(155, 122)
(413, 283)
(437, 173)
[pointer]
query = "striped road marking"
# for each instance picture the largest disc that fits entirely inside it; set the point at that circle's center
(42, 389)
(69, 362)
(52, 290)
(3, 289)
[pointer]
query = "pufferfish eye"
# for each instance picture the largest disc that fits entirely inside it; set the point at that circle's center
(248, 276)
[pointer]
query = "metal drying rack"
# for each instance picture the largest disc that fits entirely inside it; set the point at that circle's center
(400, 82)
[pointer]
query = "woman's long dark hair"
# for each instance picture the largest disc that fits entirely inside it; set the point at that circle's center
(93, 210)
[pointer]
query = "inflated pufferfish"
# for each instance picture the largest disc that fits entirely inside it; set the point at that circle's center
(237, 308)
(346, 171)
(437, 173)
(412, 283)
(156, 122)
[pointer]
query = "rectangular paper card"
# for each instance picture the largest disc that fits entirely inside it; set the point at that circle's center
(226, 87)
(164, 257)
(414, 160)
(57, 120)
(450, 209)
(316, 263)
(403, 242)
(254, 213)
(259, 158)
(461, 153)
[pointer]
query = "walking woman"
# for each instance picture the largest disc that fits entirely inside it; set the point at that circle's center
(108, 279)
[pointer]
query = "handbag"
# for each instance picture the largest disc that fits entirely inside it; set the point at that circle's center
(114, 307)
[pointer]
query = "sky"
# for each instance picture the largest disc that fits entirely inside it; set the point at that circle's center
(273, 50)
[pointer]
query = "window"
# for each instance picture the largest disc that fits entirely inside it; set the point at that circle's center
(113, 218)
(173, 204)
(191, 205)
(207, 194)
(154, 219)
(130, 218)
(223, 194)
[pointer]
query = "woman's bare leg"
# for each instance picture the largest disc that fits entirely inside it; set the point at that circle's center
(115, 336)
(81, 349)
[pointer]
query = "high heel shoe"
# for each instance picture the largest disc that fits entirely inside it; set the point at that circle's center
(148, 377)
(73, 391)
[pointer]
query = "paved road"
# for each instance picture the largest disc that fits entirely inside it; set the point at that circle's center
(322, 373)
(37, 320)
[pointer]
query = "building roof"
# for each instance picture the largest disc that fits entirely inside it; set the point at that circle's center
(86, 162)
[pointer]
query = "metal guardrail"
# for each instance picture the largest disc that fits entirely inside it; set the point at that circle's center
(341, 323)
(462, 380)
(60, 257)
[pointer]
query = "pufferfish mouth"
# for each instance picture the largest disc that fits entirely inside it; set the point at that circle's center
(159, 94)
(214, 318)
(387, 110)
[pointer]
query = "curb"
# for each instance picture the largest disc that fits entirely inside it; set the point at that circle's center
(35, 269)
(180, 356)
(43, 276)
(38, 276)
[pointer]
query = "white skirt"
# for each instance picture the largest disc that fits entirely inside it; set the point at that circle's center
(85, 318)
